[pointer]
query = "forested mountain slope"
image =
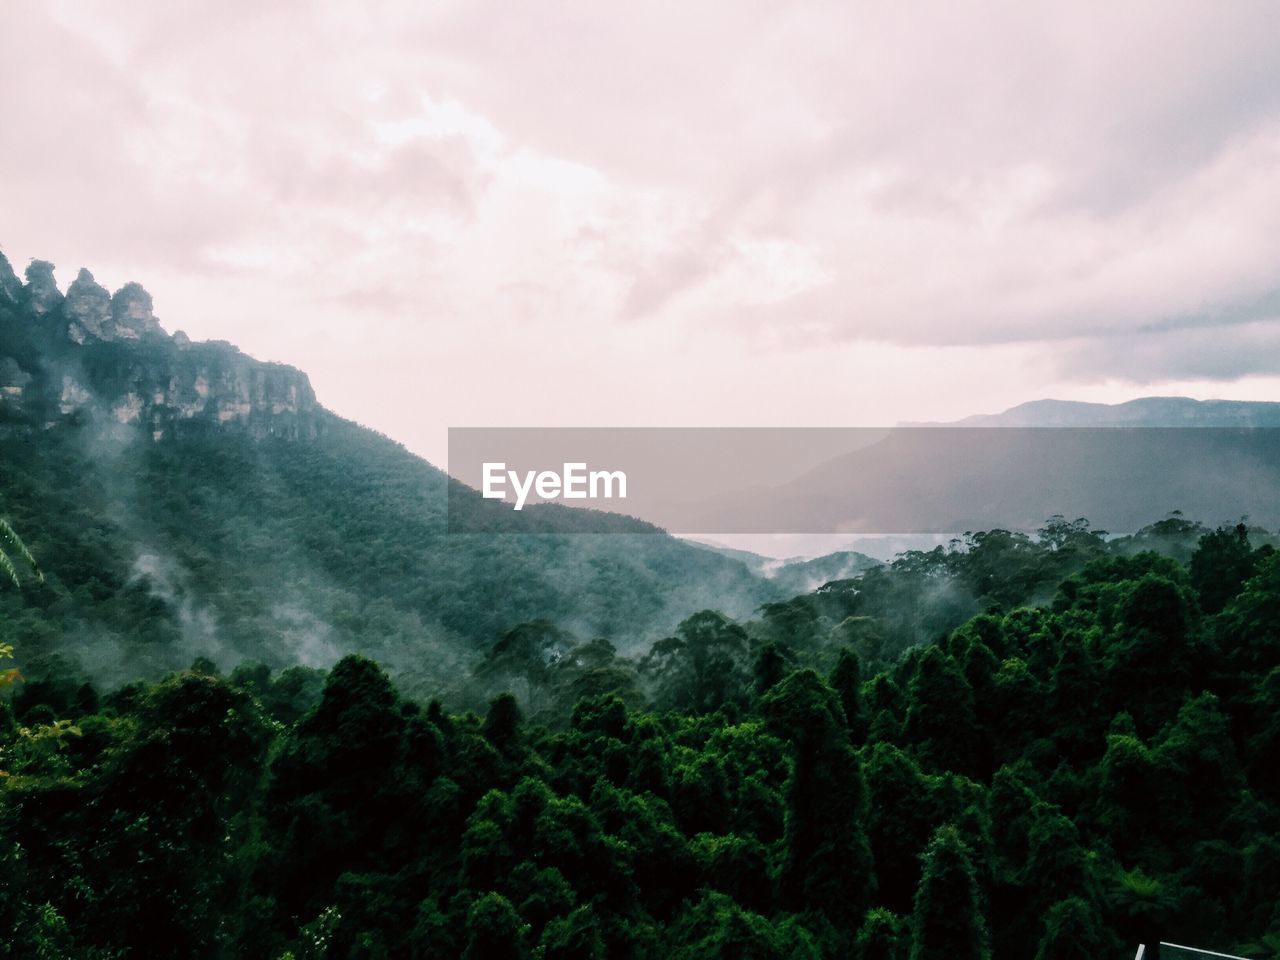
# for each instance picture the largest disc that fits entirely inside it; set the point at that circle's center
(188, 500)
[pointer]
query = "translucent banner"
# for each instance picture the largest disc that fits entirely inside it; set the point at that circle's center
(918, 480)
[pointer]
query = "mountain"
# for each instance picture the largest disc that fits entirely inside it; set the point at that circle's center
(802, 576)
(1142, 412)
(799, 575)
(188, 500)
(93, 358)
(1121, 466)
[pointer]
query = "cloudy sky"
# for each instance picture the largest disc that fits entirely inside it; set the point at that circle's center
(651, 214)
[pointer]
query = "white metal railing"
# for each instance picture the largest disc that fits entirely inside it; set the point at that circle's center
(1176, 950)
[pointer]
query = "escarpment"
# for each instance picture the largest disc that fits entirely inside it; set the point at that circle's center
(90, 356)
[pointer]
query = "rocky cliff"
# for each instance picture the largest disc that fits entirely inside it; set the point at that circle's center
(90, 356)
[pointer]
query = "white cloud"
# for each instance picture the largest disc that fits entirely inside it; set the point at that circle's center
(720, 213)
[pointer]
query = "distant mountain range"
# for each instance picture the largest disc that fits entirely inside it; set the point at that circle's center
(1142, 412)
(1121, 465)
(935, 480)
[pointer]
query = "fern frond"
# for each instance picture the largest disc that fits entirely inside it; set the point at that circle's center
(11, 537)
(6, 566)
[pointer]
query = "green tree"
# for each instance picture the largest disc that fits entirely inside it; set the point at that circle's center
(883, 936)
(1151, 659)
(530, 652)
(703, 666)
(494, 930)
(948, 923)
(899, 823)
(334, 784)
(1204, 774)
(1055, 857)
(1141, 906)
(1223, 561)
(941, 722)
(886, 706)
(1264, 746)
(575, 937)
(1248, 630)
(846, 680)
(1060, 535)
(770, 667)
(827, 860)
(1072, 701)
(502, 724)
(1070, 932)
(716, 928)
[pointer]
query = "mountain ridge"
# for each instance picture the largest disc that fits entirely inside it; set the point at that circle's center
(88, 356)
(1153, 411)
(188, 500)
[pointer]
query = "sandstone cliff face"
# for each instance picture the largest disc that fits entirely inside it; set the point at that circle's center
(131, 314)
(93, 357)
(10, 285)
(41, 294)
(88, 308)
(93, 314)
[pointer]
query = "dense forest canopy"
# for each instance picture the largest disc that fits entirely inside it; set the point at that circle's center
(1053, 747)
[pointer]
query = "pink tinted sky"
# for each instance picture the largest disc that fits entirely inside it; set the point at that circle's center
(668, 213)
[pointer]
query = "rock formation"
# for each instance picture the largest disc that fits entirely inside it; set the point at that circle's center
(93, 357)
(41, 294)
(10, 285)
(88, 309)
